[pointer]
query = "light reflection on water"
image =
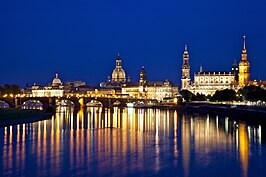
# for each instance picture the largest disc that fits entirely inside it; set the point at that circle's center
(131, 142)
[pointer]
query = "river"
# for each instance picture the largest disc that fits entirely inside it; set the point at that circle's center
(133, 142)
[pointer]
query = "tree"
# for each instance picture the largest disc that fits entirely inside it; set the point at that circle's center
(252, 93)
(224, 95)
(199, 97)
(9, 89)
(187, 95)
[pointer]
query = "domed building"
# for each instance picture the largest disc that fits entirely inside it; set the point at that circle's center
(150, 89)
(118, 75)
(56, 81)
(54, 90)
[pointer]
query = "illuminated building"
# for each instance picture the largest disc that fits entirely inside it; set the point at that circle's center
(102, 91)
(150, 89)
(142, 77)
(208, 82)
(118, 75)
(185, 80)
(205, 82)
(243, 75)
(55, 90)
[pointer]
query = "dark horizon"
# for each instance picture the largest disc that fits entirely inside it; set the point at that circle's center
(80, 40)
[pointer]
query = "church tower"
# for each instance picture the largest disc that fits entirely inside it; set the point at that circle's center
(142, 77)
(185, 80)
(243, 75)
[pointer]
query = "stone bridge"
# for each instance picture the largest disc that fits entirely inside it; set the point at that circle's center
(77, 101)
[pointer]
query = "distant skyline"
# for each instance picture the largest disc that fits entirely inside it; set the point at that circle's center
(80, 39)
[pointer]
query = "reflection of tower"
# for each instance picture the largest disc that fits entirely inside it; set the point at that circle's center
(243, 76)
(243, 148)
(185, 70)
(186, 135)
(142, 77)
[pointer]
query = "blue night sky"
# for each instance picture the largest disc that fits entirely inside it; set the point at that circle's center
(80, 39)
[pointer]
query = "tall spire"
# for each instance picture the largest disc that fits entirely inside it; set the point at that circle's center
(244, 75)
(118, 55)
(244, 45)
(234, 62)
(201, 68)
(244, 42)
(185, 70)
(244, 51)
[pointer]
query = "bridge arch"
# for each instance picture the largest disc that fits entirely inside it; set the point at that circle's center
(9, 101)
(32, 104)
(94, 103)
(4, 104)
(65, 102)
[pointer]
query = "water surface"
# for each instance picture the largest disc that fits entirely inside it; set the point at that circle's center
(132, 142)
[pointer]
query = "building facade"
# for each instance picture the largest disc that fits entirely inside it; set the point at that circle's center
(205, 82)
(208, 82)
(56, 89)
(150, 89)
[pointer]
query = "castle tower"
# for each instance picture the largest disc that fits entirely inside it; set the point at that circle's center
(235, 70)
(243, 75)
(142, 77)
(185, 80)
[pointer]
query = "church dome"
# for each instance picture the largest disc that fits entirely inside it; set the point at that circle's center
(243, 63)
(118, 75)
(56, 81)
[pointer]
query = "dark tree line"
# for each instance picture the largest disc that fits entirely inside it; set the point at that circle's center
(247, 93)
(9, 89)
(189, 96)
(252, 93)
(224, 95)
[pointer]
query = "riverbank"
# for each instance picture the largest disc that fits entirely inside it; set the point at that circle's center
(241, 112)
(19, 116)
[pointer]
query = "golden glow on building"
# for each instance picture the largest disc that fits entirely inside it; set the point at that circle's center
(244, 75)
(118, 74)
(55, 90)
(208, 83)
(185, 80)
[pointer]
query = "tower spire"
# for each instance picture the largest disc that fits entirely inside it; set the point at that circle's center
(244, 47)
(244, 75)
(185, 70)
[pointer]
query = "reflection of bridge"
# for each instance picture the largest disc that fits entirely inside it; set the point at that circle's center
(15, 102)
